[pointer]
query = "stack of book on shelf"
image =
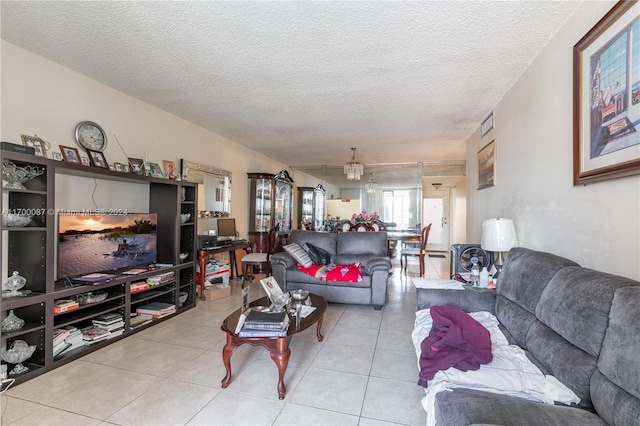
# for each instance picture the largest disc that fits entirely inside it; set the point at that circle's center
(138, 321)
(155, 310)
(64, 305)
(139, 286)
(261, 322)
(161, 278)
(74, 339)
(59, 341)
(111, 322)
(93, 334)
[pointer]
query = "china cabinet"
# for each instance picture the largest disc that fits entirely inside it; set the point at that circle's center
(270, 203)
(31, 250)
(311, 208)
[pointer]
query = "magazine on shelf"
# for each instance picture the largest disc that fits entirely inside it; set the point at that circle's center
(262, 333)
(271, 287)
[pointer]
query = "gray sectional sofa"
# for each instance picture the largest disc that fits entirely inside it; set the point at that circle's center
(580, 325)
(368, 248)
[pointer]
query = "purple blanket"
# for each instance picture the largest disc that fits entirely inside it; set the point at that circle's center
(456, 340)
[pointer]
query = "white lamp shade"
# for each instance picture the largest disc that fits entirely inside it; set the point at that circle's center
(498, 234)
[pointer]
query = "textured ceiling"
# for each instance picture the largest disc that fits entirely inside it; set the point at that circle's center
(302, 82)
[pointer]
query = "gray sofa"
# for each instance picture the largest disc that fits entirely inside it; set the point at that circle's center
(580, 325)
(368, 248)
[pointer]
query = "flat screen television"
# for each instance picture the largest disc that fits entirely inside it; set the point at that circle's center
(90, 243)
(226, 227)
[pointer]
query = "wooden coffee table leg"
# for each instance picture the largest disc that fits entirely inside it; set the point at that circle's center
(227, 351)
(318, 334)
(280, 356)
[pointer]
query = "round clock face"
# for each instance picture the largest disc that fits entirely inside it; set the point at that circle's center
(89, 135)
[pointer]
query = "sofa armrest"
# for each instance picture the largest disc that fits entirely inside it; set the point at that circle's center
(283, 259)
(471, 299)
(377, 264)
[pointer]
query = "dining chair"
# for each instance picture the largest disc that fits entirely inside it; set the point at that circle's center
(259, 259)
(420, 252)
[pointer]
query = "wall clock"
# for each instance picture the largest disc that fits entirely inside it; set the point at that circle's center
(90, 135)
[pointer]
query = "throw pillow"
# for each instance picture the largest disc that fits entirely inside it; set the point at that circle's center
(318, 255)
(298, 254)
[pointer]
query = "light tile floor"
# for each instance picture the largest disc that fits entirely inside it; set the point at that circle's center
(364, 373)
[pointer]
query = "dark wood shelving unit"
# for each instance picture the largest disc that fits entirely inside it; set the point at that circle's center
(31, 250)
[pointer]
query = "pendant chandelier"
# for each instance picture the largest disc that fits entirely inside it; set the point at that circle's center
(353, 169)
(371, 186)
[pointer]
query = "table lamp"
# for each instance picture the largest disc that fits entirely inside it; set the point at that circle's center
(498, 235)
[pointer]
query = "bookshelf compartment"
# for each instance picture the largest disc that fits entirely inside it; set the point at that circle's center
(31, 251)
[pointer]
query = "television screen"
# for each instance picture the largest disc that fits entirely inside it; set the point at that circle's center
(226, 227)
(95, 243)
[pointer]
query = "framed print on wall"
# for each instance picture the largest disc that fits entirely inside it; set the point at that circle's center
(606, 98)
(487, 165)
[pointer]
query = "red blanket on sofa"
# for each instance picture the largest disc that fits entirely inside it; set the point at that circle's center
(345, 273)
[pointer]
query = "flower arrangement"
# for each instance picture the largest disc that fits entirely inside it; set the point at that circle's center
(364, 217)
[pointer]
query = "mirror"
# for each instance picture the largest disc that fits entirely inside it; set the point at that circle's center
(214, 188)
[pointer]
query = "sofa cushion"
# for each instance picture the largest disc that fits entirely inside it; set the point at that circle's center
(470, 406)
(523, 278)
(324, 240)
(298, 254)
(616, 384)
(362, 243)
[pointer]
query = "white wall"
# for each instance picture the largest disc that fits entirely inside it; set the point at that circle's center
(597, 225)
(40, 97)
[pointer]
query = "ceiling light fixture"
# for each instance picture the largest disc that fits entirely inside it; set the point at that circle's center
(353, 169)
(371, 186)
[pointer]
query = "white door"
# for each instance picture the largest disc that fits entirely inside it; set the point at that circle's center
(435, 211)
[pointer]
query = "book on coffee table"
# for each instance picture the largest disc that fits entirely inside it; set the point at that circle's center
(262, 319)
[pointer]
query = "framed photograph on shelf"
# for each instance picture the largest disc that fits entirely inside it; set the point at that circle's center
(125, 168)
(85, 161)
(118, 167)
(36, 143)
(487, 165)
(169, 168)
(606, 98)
(56, 156)
(271, 287)
(155, 170)
(70, 154)
(97, 159)
(137, 166)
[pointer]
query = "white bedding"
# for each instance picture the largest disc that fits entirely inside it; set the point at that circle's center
(510, 372)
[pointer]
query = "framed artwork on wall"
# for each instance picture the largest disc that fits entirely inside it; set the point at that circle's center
(487, 165)
(606, 98)
(487, 125)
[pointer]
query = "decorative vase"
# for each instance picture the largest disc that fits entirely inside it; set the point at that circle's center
(12, 323)
(13, 284)
(18, 353)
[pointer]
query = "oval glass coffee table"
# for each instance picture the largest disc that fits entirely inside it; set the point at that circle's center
(278, 347)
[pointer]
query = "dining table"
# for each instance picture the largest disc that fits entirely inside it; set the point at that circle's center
(402, 236)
